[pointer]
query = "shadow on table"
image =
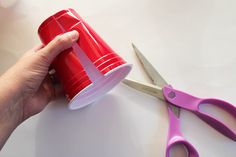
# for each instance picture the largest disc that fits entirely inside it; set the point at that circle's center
(102, 129)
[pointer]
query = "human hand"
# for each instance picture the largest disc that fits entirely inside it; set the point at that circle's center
(26, 87)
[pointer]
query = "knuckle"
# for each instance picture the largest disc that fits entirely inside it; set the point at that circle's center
(44, 58)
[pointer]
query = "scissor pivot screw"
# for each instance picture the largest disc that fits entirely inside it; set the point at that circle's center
(171, 95)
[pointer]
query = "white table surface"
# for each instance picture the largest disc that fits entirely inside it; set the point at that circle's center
(191, 43)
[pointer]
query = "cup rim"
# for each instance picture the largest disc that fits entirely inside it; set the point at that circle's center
(85, 97)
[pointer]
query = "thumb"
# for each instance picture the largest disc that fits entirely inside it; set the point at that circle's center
(58, 44)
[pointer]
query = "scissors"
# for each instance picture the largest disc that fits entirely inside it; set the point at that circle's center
(176, 100)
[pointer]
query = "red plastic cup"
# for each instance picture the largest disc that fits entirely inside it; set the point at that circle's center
(90, 68)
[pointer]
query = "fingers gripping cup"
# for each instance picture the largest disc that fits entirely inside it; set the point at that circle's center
(90, 68)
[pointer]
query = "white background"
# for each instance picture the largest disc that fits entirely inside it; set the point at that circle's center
(191, 43)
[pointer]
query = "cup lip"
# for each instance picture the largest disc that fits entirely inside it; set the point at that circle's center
(85, 103)
(50, 18)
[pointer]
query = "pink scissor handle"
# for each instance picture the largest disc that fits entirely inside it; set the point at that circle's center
(175, 137)
(192, 103)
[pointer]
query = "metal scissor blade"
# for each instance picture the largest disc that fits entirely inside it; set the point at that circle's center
(145, 88)
(156, 78)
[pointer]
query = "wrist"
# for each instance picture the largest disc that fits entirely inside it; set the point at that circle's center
(11, 111)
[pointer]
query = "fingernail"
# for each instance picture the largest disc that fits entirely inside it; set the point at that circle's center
(74, 35)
